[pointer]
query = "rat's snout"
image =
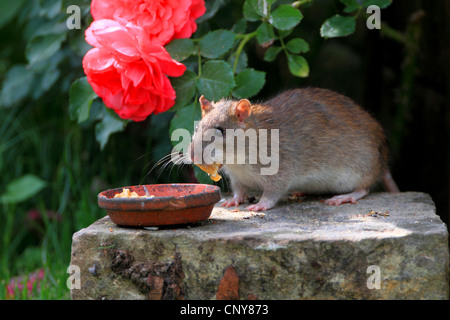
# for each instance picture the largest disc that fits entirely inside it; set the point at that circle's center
(205, 148)
(190, 152)
(195, 157)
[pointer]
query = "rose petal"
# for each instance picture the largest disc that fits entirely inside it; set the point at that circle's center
(162, 20)
(99, 61)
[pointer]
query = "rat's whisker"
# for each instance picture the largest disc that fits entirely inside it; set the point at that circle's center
(161, 165)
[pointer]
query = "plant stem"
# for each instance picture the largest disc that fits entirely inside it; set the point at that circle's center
(199, 64)
(247, 37)
(282, 44)
(393, 34)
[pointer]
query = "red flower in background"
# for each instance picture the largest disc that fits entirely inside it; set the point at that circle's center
(27, 283)
(162, 20)
(128, 71)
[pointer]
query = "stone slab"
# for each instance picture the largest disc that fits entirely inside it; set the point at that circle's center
(387, 246)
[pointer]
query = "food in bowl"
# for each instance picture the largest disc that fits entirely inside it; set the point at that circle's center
(127, 194)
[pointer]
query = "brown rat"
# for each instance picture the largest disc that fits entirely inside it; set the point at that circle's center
(327, 144)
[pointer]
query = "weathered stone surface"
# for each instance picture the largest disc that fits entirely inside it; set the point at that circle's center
(299, 250)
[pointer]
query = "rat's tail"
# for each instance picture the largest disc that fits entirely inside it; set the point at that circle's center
(389, 182)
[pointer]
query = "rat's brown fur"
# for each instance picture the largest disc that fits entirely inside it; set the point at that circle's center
(327, 144)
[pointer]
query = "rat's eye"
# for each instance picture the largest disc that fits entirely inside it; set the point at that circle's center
(220, 130)
(196, 128)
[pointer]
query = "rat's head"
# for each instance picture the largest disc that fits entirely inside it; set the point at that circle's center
(207, 144)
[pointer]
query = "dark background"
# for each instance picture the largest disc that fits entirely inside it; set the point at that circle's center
(405, 85)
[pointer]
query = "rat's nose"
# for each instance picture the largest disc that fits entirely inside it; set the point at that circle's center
(192, 155)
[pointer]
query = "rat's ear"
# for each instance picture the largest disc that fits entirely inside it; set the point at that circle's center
(243, 110)
(205, 104)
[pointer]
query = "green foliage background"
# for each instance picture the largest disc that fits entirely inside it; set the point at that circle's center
(59, 145)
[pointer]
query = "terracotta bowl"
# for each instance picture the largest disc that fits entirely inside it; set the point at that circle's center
(171, 204)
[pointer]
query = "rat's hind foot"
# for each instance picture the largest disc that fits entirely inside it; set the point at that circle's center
(258, 207)
(262, 205)
(347, 198)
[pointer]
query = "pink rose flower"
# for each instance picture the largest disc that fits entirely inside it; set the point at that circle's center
(162, 20)
(128, 70)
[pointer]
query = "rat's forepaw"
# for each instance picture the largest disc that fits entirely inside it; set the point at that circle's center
(233, 202)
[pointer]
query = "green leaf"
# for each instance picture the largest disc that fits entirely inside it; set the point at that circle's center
(42, 47)
(216, 43)
(78, 43)
(181, 49)
(202, 176)
(285, 33)
(46, 27)
(297, 45)
(380, 3)
(16, 86)
(260, 7)
(250, 13)
(22, 189)
(338, 26)
(185, 89)
(159, 134)
(265, 34)
(44, 81)
(185, 119)
(271, 53)
(285, 17)
(211, 9)
(96, 112)
(248, 83)
(351, 5)
(109, 124)
(8, 10)
(216, 80)
(298, 66)
(80, 99)
(239, 27)
(50, 8)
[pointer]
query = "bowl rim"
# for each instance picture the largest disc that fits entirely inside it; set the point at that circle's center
(159, 203)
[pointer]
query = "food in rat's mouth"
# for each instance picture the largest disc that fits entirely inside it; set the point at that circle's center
(127, 194)
(211, 169)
